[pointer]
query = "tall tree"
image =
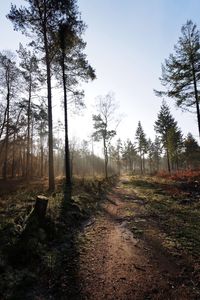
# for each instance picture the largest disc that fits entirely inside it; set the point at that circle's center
(42, 19)
(181, 72)
(129, 155)
(192, 151)
(175, 146)
(163, 125)
(157, 151)
(74, 67)
(142, 145)
(106, 108)
(32, 76)
(9, 76)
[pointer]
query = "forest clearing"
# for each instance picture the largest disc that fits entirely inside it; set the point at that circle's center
(100, 162)
(133, 238)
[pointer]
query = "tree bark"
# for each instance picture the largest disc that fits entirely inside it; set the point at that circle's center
(168, 161)
(68, 184)
(5, 165)
(196, 96)
(28, 135)
(50, 119)
(105, 157)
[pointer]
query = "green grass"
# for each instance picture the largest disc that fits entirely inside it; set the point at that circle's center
(164, 203)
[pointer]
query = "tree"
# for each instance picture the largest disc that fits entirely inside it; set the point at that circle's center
(41, 20)
(157, 151)
(129, 154)
(192, 151)
(181, 72)
(163, 125)
(118, 155)
(71, 61)
(106, 107)
(9, 77)
(32, 76)
(175, 146)
(142, 145)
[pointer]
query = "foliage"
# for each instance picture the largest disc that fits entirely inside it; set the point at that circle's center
(170, 134)
(180, 72)
(142, 145)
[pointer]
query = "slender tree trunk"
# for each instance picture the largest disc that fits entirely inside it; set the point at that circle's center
(196, 96)
(92, 157)
(105, 157)
(168, 161)
(28, 137)
(5, 165)
(50, 119)
(42, 161)
(31, 147)
(68, 185)
(141, 169)
(14, 147)
(143, 163)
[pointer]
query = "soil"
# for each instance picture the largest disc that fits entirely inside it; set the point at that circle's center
(119, 260)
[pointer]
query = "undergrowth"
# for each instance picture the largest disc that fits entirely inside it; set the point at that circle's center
(39, 259)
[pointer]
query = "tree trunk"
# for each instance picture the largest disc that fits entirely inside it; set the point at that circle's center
(5, 165)
(68, 185)
(168, 161)
(105, 157)
(28, 136)
(196, 96)
(42, 161)
(50, 119)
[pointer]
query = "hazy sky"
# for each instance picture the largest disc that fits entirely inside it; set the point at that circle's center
(126, 43)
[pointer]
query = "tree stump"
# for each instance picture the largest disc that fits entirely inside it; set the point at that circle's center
(40, 206)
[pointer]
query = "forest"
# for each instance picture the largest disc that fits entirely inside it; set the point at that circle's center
(105, 217)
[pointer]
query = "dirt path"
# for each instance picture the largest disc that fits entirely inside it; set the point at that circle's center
(117, 264)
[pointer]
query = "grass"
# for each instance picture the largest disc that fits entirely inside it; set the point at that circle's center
(177, 212)
(41, 259)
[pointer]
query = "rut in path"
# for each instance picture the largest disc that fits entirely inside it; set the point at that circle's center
(116, 265)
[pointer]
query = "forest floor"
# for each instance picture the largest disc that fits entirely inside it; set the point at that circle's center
(137, 238)
(127, 255)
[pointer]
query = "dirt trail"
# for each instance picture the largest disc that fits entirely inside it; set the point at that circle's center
(117, 264)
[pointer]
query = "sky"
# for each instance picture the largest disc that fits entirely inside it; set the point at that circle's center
(126, 43)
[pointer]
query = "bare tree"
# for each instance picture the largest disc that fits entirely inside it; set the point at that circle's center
(106, 107)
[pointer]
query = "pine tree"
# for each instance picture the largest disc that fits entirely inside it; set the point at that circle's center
(181, 72)
(165, 124)
(9, 77)
(42, 19)
(31, 73)
(192, 151)
(142, 145)
(74, 67)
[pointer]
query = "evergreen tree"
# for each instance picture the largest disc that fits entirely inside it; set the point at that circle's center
(129, 155)
(142, 145)
(41, 19)
(157, 151)
(74, 67)
(192, 151)
(164, 124)
(31, 73)
(175, 146)
(181, 72)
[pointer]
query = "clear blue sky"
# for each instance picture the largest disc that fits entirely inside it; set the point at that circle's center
(126, 43)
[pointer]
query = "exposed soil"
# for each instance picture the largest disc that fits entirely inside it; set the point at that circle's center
(119, 260)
